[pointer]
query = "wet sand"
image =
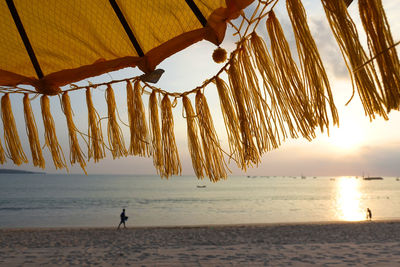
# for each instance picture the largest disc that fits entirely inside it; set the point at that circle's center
(321, 244)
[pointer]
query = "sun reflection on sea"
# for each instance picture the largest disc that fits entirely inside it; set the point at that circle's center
(348, 200)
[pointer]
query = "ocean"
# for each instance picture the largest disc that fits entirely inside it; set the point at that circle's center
(48, 200)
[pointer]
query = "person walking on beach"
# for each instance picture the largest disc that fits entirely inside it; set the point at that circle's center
(369, 214)
(124, 218)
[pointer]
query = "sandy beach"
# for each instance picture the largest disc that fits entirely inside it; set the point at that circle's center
(321, 244)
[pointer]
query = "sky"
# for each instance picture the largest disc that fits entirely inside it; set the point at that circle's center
(358, 147)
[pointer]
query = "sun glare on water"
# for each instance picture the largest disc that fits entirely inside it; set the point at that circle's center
(348, 205)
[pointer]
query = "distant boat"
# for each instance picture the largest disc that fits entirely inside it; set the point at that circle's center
(303, 177)
(397, 179)
(373, 178)
(201, 186)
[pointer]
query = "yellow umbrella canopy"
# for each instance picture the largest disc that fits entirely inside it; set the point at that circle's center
(266, 98)
(48, 44)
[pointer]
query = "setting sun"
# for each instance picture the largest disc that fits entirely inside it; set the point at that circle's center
(348, 136)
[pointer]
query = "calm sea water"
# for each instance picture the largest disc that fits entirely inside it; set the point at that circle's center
(97, 200)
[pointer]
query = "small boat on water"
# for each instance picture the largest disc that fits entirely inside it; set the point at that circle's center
(201, 186)
(372, 178)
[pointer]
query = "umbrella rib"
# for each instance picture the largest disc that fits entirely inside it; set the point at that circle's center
(127, 29)
(24, 37)
(348, 2)
(196, 11)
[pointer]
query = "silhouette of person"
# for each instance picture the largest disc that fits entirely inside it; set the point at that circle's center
(124, 218)
(369, 214)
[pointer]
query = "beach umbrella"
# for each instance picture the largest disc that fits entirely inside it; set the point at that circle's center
(265, 95)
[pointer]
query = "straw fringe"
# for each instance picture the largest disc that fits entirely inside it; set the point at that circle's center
(2, 155)
(365, 78)
(11, 137)
(237, 86)
(232, 123)
(96, 142)
(312, 65)
(50, 134)
(32, 132)
(279, 106)
(131, 111)
(156, 133)
(137, 121)
(76, 154)
(172, 164)
(213, 158)
(288, 74)
(380, 39)
(115, 137)
(256, 107)
(194, 145)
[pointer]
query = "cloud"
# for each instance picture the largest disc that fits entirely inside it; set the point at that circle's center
(382, 160)
(328, 48)
(374, 160)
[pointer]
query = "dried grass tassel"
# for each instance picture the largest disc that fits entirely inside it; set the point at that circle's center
(232, 123)
(256, 107)
(312, 65)
(365, 78)
(33, 136)
(194, 144)
(115, 137)
(2, 155)
(380, 40)
(237, 86)
(156, 133)
(13, 144)
(172, 164)
(214, 161)
(96, 143)
(294, 87)
(50, 134)
(137, 121)
(75, 150)
(279, 104)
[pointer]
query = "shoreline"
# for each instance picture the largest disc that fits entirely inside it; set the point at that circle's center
(272, 224)
(366, 243)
